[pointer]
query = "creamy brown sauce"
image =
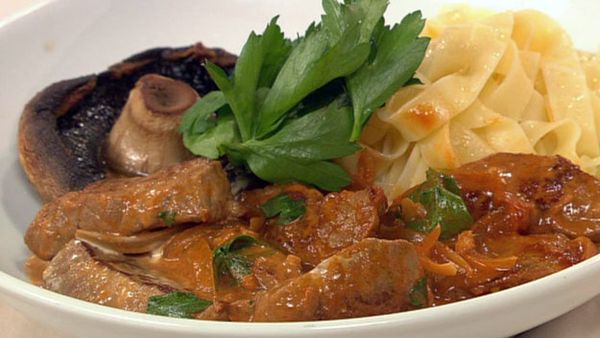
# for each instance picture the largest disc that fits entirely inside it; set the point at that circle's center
(348, 255)
(34, 269)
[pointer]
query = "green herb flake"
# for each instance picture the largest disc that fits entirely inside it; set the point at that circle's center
(420, 225)
(419, 294)
(177, 305)
(287, 208)
(167, 216)
(229, 259)
(440, 195)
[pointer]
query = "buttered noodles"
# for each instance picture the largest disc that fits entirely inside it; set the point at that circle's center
(507, 82)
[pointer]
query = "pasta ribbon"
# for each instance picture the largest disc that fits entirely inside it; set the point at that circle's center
(491, 82)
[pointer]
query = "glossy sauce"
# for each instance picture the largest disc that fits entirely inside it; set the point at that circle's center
(34, 269)
(533, 216)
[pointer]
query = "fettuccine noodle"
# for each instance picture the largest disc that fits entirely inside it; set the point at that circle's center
(506, 82)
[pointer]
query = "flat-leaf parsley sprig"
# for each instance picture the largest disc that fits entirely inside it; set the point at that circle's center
(291, 107)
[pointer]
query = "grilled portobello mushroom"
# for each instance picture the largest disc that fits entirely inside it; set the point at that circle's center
(64, 128)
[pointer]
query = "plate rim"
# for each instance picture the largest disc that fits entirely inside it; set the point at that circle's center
(19, 288)
(545, 285)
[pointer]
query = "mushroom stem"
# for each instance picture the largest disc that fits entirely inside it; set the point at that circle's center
(145, 138)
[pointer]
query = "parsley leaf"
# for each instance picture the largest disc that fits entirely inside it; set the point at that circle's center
(204, 132)
(177, 305)
(323, 174)
(228, 259)
(201, 116)
(398, 53)
(168, 217)
(320, 135)
(287, 208)
(210, 143)
(270, 167)
(314, 62)
(261, 57)
(444, 206)
(291, 107)
(418, 294)
(277, 49)
(339, 17)
(298, 152)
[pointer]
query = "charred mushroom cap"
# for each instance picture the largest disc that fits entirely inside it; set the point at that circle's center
(145, 137)
(63, 128)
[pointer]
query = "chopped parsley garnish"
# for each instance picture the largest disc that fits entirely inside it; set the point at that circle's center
(292, 106)
(177, 305)
(285, 207)
(168, 217)
(231, 260)
(418, 294)
(440, 195)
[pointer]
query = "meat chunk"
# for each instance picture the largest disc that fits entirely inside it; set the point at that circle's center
(538, 256)
(347, 217)
(185, 262)
(272, 270)
(194, 191)
(501, 262)
(371, 277)
(73, 272)
(542, 194)
(329, 224)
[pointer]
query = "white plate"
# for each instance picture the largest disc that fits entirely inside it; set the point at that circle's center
(69, 38)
